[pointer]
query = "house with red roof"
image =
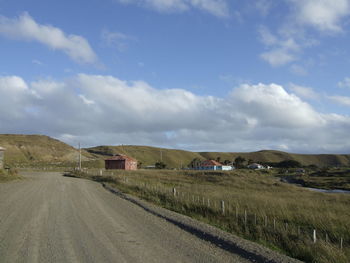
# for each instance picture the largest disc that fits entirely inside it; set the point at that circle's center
(213, 165)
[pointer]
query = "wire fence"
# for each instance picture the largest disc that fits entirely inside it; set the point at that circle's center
(237, 217)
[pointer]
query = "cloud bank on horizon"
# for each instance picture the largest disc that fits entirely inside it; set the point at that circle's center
(202, 79)
(103, 109)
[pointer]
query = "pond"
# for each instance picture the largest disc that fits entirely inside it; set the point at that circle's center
(291, 180)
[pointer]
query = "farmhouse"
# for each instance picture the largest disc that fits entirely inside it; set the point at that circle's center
(213, 165)
(122, 162)
(2, 151)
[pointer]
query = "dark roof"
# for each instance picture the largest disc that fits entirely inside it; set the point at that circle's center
(121, 157)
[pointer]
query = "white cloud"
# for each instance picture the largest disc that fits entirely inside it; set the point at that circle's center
(217, 8)
(15, 98)
(37, 62)
(272, 106)
(106, 110)
(324, 15)
(304, 92)
(293, 34)
(278, 57)
(281, 50)
(342, 100)
(116, 39)
(26, 28)
(263, 6)
(298, 70)
(345, 83)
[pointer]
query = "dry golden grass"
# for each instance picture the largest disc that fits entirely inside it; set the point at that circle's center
(296, 211)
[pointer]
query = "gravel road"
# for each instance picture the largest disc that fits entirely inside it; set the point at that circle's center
(50, 218)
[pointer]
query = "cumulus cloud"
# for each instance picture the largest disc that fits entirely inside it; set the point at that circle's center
(272, 106)
(217, 8)
(323, 15)
(26, 28)
(14, 99)
(99, 110)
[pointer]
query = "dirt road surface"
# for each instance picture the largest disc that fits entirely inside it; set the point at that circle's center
(50, 218)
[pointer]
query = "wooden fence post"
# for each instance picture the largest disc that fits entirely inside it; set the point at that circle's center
(341, 243)
(314, 236)
(274, 224)
(245, 217)
(223, 207)
(174, 192)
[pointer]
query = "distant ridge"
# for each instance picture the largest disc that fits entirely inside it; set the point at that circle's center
(177, 158)
(32, 150)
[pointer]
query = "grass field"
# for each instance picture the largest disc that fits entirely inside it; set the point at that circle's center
(257, 207)
(8, 176)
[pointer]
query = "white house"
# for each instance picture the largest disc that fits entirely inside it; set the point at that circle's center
(213, 165)
(255, 166)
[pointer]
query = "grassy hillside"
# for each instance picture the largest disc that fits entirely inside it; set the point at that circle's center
(37, 150)
(277, 156)
(174, 158)
(148, 155)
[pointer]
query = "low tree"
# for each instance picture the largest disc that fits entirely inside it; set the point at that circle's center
(227, 162)
(289, 164)
(196, 162)
(239, 162)
(160, 165)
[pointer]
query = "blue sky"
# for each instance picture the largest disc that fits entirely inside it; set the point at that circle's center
(194, 74)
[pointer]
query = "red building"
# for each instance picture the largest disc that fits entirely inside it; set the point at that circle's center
(122, 162)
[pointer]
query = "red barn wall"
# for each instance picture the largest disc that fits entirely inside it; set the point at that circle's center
(121, 164)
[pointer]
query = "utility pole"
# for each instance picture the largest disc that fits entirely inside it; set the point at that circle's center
(79, 158)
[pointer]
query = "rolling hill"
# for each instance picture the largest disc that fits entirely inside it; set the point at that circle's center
(38, 150)
(179, 158)
(148, 155)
